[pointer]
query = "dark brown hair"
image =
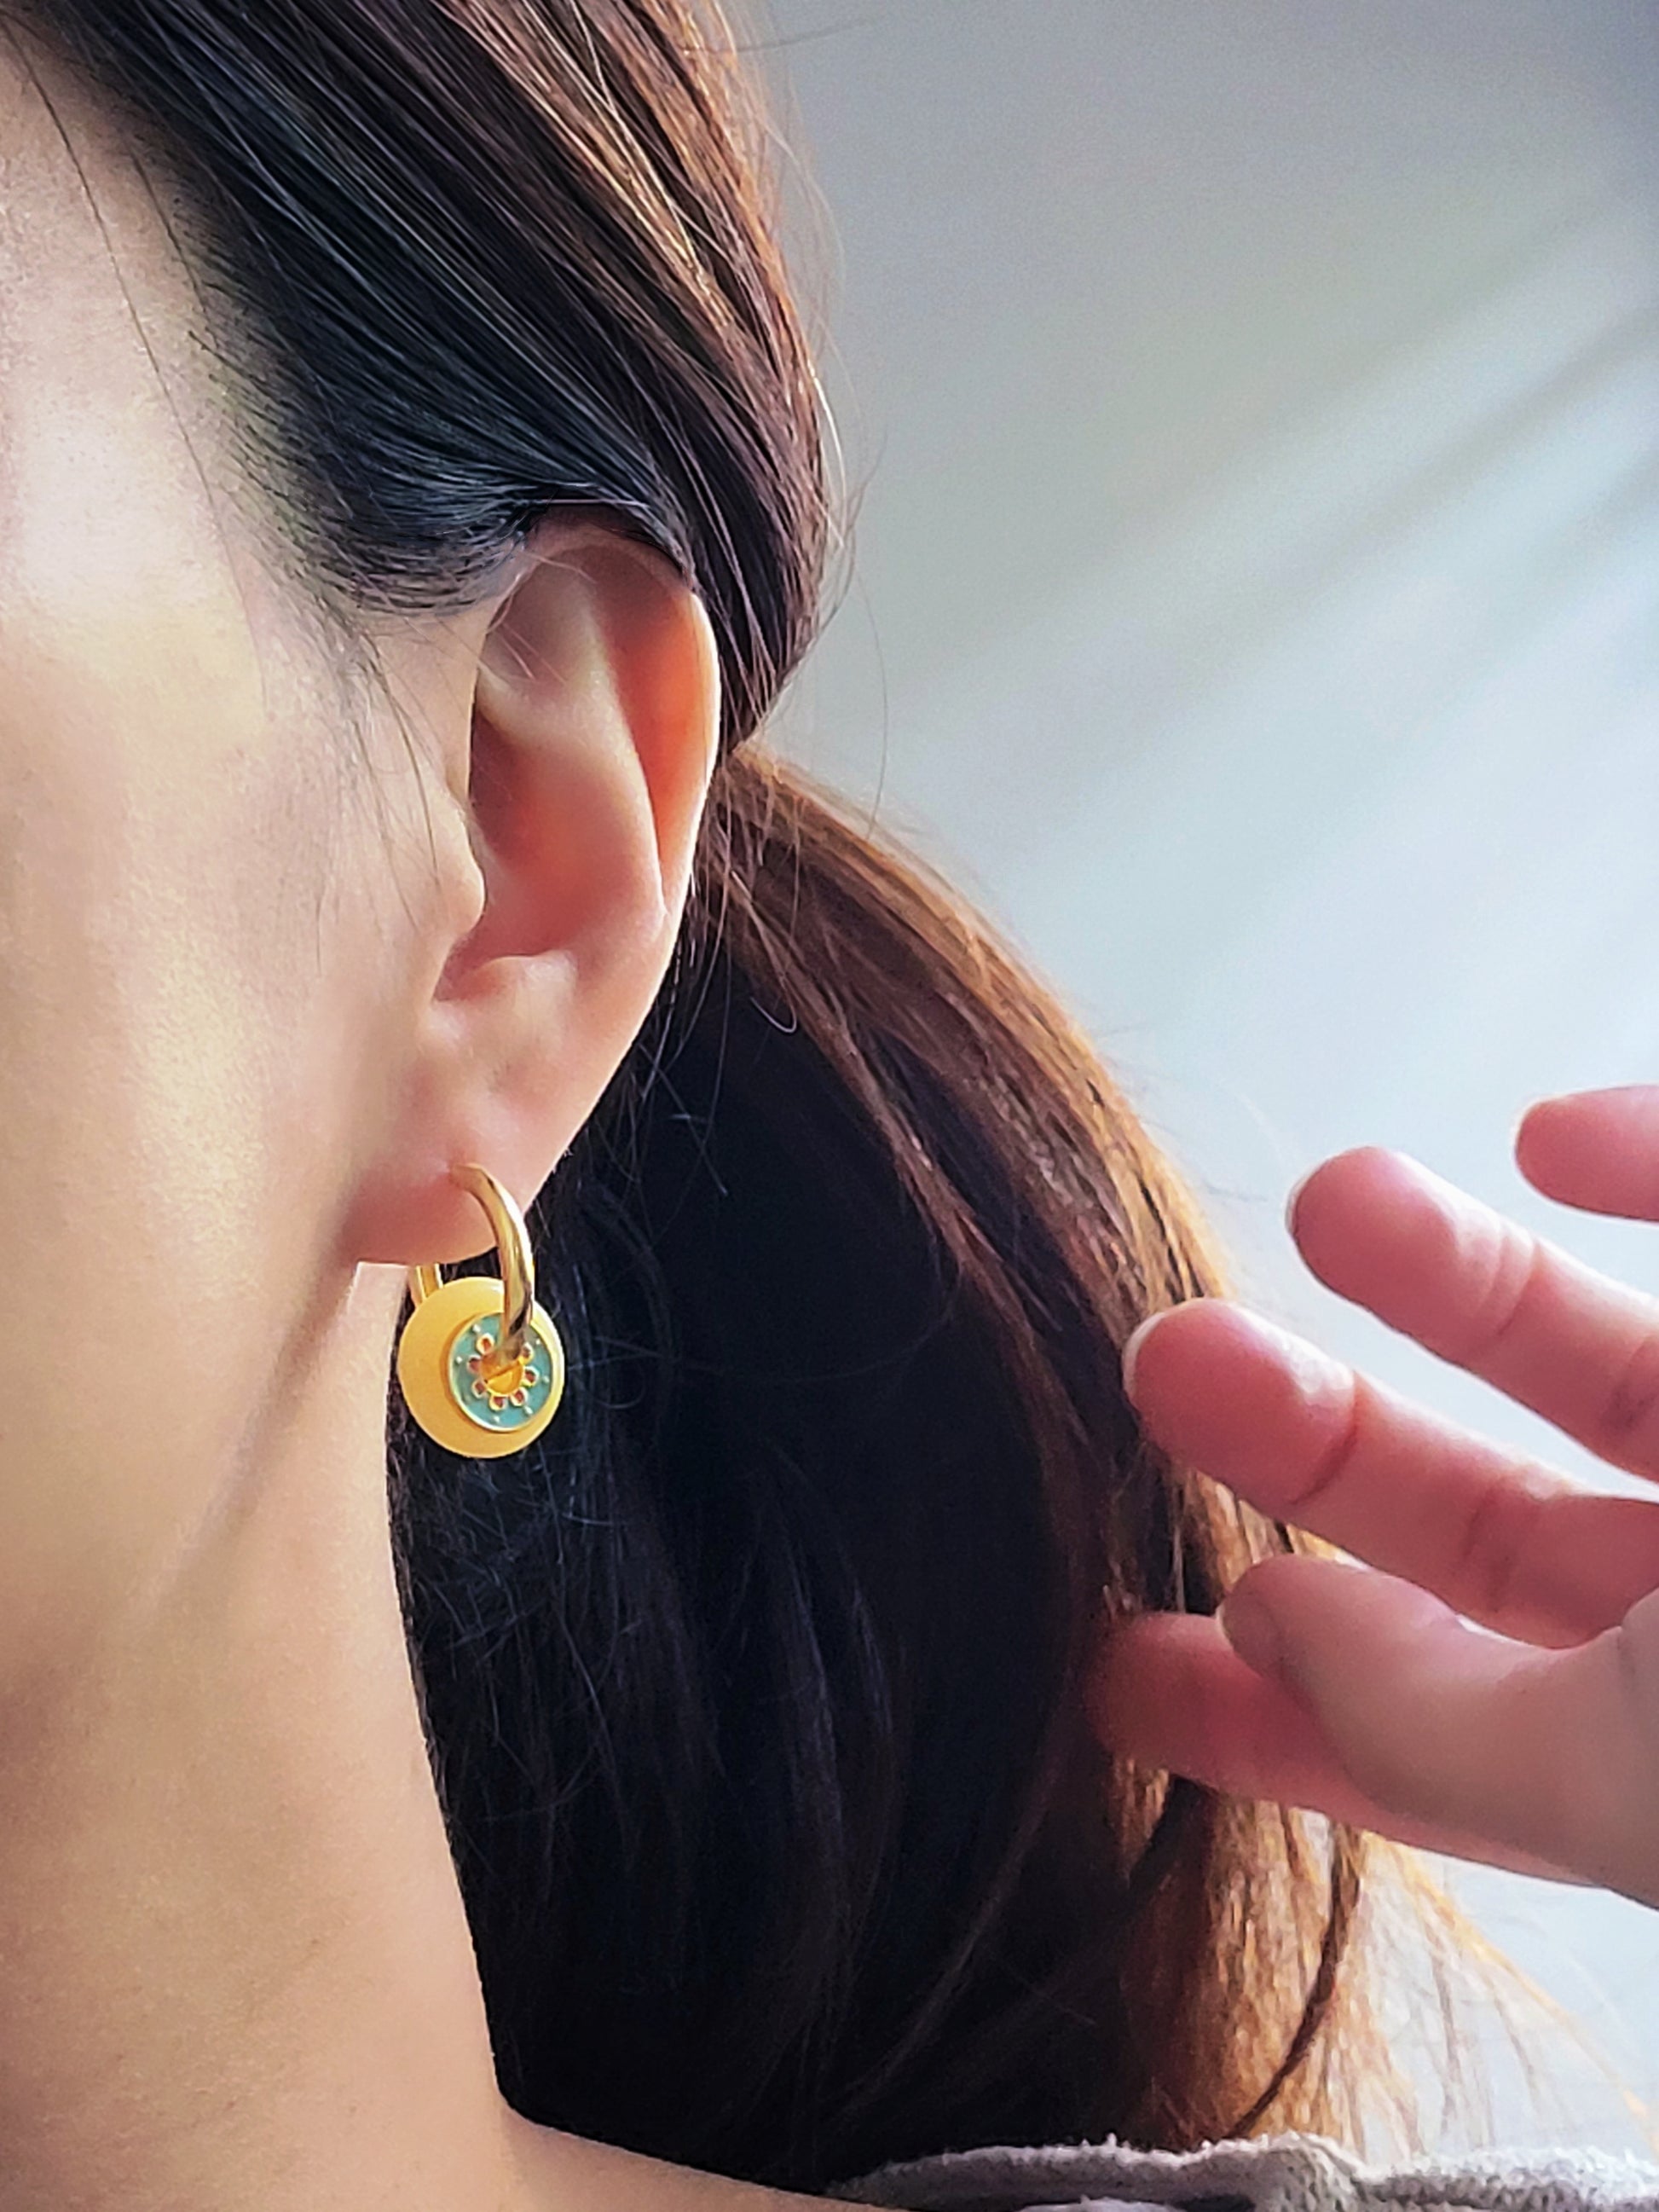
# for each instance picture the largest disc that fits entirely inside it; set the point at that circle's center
(756, 1695)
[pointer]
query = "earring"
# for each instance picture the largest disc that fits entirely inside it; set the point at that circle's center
(480, 1363)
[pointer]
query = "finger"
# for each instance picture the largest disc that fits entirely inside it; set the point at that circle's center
(1596, 1150)
(1304, 1439)
(1551, 1753)
(1171, 1694)
(1488, 1296)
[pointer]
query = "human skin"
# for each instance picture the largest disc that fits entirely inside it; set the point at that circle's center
(1356, 1688)
(273, 956)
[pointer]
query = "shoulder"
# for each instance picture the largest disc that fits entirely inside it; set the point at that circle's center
(1279, 2173)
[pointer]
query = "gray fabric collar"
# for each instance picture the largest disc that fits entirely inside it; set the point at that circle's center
(1279, 2173)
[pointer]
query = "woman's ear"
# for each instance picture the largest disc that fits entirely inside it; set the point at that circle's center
(592, 689)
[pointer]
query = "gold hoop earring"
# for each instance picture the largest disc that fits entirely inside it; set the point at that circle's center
(481, 1365)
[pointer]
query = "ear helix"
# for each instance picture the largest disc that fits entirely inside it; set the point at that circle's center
(480, 1363)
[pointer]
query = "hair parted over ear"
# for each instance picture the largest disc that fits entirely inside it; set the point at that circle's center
(414, 404)
(755, 1690)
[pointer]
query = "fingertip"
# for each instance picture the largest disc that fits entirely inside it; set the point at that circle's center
(1343, 1176)
(1170, 1694)
(1594, 1150)
(1355, 1214)
(1201, 1322)
(1327, 1600)
(1248, 1625)
(1135, 1345)
(1537, 1125)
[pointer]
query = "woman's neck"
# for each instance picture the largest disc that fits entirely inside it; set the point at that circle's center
(238, 1972)
(237, 1967)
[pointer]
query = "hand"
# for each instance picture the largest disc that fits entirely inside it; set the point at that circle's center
(1357, 1690)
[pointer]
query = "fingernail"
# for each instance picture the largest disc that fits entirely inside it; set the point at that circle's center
(1131, 1352)
(1297, 1189)
(1253, 1632)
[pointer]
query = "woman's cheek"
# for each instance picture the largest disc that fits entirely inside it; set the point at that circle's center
(160, 1199)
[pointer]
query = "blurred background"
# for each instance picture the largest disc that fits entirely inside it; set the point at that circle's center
(1252, 412)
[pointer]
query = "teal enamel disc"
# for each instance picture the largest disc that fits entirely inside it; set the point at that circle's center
(506, 1402)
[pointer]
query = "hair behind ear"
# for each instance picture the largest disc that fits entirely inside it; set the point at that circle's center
(758, 1695)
